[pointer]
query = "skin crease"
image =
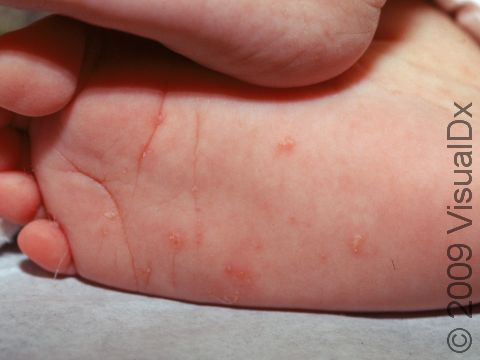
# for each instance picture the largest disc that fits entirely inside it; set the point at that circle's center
(276, 43)
(205, 189)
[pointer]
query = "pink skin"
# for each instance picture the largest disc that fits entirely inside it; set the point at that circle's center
(466, 13)
(165, 178)
(278, 43)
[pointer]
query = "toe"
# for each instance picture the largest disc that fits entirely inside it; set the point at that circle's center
(44, 242)
(40, 65)
(20, 197)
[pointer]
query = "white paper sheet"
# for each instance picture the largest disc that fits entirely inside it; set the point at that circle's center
(7, 231)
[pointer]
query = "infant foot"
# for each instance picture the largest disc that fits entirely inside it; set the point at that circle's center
(164, 178)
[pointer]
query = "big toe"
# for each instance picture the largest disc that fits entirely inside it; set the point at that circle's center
(44, 242)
